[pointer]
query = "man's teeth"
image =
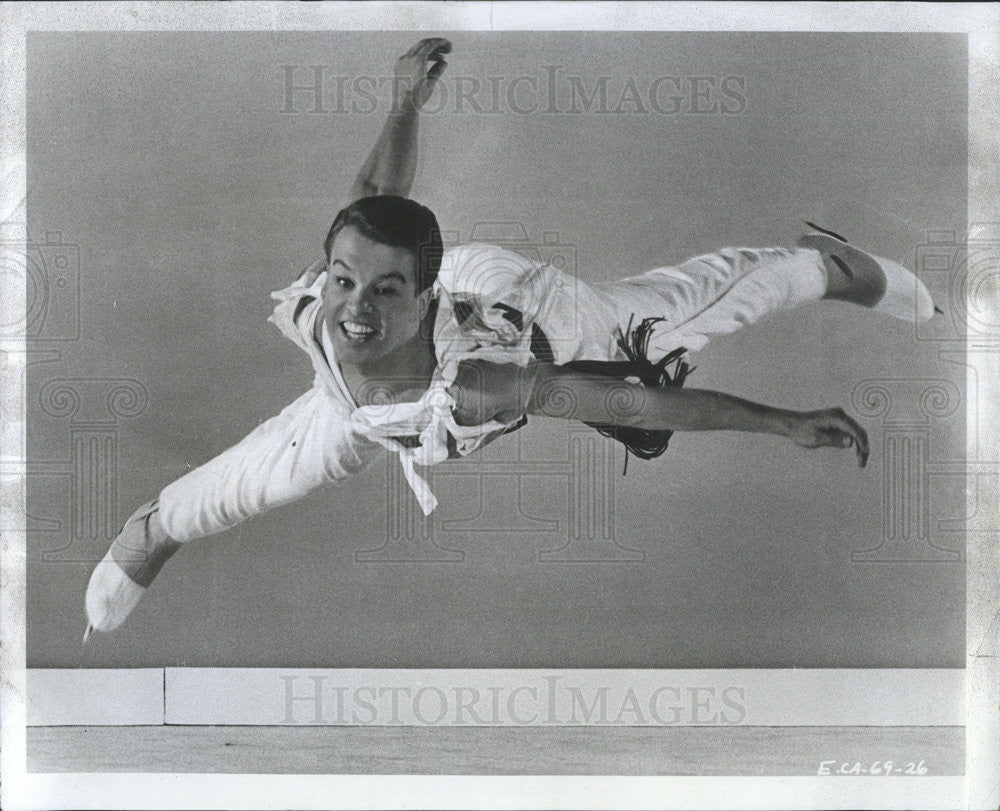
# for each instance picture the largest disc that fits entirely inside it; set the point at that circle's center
(355, 330)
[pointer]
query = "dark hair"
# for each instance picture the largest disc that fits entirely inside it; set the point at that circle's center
(399, 222)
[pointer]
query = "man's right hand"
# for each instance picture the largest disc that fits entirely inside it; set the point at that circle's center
(417, 71)
(831, 427)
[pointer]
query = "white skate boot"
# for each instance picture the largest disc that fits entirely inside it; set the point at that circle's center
(880, 284)
(130, 565)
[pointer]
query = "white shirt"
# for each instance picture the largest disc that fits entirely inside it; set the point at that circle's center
(488, 300)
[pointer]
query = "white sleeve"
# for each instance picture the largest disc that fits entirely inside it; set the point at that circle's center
(309, 444)
(488, 298)
(503, 307)
(301, 298)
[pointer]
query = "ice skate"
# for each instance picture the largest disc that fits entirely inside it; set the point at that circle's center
(868, 280)
(130, 565)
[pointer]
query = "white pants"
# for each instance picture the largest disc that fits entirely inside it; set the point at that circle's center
(716, 294)
(311, 442)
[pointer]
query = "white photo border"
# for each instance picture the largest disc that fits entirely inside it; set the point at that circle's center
(981, 23)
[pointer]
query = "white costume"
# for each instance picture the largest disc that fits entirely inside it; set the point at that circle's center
(491, 302)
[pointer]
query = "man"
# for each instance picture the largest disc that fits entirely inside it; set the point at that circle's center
(432, 354)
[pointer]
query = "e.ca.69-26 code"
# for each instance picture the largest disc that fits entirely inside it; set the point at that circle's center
(875, 768)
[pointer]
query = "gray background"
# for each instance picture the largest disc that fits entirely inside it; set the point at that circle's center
(166, 159)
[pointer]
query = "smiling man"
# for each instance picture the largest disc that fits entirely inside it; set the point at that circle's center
(374, 293)
(431, 354)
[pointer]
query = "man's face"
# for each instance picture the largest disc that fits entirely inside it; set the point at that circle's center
(370, 298)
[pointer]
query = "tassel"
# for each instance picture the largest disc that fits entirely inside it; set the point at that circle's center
(671, 370)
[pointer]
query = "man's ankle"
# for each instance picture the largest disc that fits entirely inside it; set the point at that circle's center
(142, 547)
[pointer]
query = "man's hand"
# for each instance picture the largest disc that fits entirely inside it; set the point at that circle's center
(392, 164)
(830, 427)
(417, 71)
(484, 391)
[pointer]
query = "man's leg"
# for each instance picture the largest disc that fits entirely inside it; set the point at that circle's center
(721, 292)
(307, 445)
(716, 294)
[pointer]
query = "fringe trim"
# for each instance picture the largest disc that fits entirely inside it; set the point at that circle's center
(672, 370)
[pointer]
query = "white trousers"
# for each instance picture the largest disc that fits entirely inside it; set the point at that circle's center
(311, 442)
(715, 294)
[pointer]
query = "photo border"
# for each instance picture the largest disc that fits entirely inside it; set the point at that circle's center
(981, 23)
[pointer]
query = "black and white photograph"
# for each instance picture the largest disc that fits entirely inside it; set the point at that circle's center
(500, 405)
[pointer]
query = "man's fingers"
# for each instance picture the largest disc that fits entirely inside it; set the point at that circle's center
(429, 45)
(855, 435)
(860, 438)
(833, 428)
(435, 70)
(863, 449)
(439, 53)
(416, 47)
(837, 438)
(846, 440)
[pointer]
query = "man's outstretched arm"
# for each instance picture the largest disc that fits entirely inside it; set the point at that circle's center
(484, 391)
(392, 164)
(311, 443)
(609, 401)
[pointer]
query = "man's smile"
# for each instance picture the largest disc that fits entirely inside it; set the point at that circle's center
(357, 332)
